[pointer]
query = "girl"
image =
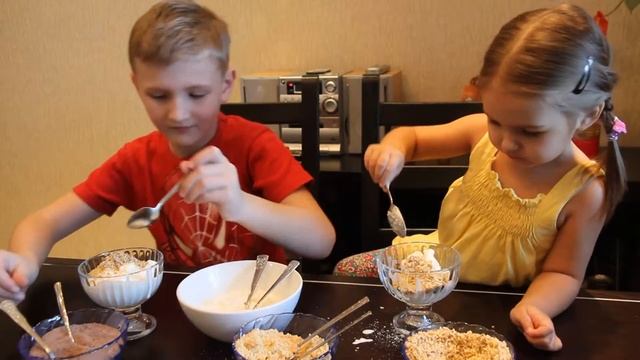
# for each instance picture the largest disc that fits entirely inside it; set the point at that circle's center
(531, 205)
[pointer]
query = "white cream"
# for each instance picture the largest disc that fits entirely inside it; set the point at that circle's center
(129, 286)
(233, 301)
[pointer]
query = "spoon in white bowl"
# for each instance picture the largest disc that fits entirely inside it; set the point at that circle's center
(293, 264)
(10, 308)
(261, 263)
(394, 216)
(145, 216)
(63, 309)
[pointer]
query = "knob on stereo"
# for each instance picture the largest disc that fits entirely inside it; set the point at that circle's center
(330, 86)
(330, 105)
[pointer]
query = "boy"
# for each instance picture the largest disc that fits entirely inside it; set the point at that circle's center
(241, 191)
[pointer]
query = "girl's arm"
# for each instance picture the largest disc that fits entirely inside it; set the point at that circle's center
(555, 288)
(384, 161)
(438, 141)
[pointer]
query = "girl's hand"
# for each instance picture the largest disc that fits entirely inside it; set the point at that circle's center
(383, 162)
(536, 326)
(210, 177)
(16, 274)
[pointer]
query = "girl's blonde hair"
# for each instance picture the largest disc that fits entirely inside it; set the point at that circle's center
(172, 29)
(561, 54)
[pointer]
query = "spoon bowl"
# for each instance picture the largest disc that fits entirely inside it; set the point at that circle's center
(145, 216)
(394, 216)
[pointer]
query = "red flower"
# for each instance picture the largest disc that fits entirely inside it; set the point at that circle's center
(602, 22)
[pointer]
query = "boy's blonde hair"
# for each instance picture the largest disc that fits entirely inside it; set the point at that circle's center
(172, 29)
(560, 54)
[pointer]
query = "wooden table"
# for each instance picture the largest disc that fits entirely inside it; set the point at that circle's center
(599, 325)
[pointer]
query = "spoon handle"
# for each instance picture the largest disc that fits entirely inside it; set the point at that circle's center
(293, 264)
(63, 309)
(11, 309)
(337, 318)
(386, 188)
(327, 340)
(261, 263)
(169, 194)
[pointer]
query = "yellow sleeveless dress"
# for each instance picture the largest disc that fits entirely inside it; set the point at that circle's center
(502, 238)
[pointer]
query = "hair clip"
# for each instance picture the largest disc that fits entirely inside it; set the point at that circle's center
(618, 128)
(584, 79)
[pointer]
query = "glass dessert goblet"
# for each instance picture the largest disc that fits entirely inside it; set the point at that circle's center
(122, 280)
(418, 274)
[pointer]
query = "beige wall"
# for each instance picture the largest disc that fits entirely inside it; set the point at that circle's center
(67, 103)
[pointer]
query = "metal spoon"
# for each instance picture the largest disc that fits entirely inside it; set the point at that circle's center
(261, 263)
(330, 323)
(394, 216)
(327, 340)
(293, 264)
(63, 309)
(143, 217)
(11, 309)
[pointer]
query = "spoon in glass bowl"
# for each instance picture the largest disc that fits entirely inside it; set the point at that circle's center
(145, 216)
(63, 309)
(11, 309)
(394, 216)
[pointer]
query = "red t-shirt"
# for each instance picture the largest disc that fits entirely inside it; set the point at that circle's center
(143, 170)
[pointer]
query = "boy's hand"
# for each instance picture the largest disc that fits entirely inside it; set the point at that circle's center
(210, 177)
(536, 326)
(383, 162)
(16, 274)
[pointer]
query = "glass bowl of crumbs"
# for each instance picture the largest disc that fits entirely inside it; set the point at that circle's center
(276, 337)
(456, 340)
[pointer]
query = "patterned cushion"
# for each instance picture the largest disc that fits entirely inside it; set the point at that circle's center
(363, 265)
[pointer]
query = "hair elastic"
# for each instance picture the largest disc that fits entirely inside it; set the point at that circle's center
(618, 128)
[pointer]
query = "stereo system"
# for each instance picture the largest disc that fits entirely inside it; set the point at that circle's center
(339, 102)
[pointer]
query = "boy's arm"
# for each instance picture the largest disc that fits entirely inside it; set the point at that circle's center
(297, 223)
(555, 288)
(34, 237)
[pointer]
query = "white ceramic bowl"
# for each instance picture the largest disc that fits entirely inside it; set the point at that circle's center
(213, 298)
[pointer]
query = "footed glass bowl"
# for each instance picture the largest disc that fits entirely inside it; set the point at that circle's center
(125, 292)
(418, 289)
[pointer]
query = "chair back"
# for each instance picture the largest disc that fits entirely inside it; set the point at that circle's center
(429, 179)
(305, 115)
